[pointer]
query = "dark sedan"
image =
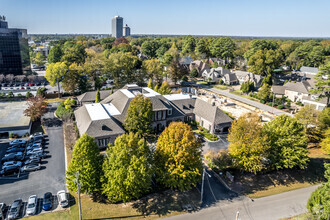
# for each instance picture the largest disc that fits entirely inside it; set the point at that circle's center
(47, 201)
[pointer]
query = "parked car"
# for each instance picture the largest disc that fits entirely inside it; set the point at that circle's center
(14, 210)
(34, 146)
(35, 157)
(13, 156)
(15, 142)
(32, 160)
(62, 198)
(2, 208)
(47, 201)
(16, 146)
(12, 163)
(15, 150)
(35, 151)
(31, 167)
(31, 84)
(31, 206)
(9, 171)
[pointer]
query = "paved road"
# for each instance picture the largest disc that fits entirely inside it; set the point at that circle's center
(49, 179)
(258, 105)
(274, 207)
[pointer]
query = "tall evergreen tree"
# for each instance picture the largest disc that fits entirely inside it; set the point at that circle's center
(97, 98)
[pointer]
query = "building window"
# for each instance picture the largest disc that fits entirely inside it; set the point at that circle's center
(169, 112)
(159, 115)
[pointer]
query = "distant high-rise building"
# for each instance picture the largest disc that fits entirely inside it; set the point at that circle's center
(117, 26)
(14, 49)
(127, 31)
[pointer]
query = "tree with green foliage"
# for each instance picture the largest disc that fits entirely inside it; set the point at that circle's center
(74, 53)
(55, 73)
(127, 169)
(111, 92)
(248, 146)
(318, 203)
(322, 85)
(39, 59)
(150, 84)
(10, 94)
(265, 93)
(263, 62)
(257, 45)
(149, 48)
(308, 116)
(87, 160)
(122, 68)
(194, 73)
(223, 47)
(55, 54)
(325, 144)
(247, 87)
(324, 119)
(176, 71)
(154, 70)
(177, 157)
(41, 91)
(288, 143)
(71, 79)
(97, 98)
(164, 89)
(28, 94)
(189, 44)
(202, 49)
(139, 116)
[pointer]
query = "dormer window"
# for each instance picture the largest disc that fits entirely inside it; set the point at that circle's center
(169, 111)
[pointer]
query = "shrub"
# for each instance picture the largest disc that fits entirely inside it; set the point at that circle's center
(11, 135)
(280, 107)
(28, 94)
(194, 73)
(62, 112)
(299, 103)
(2, 95)
(221, 82)
(10, 94)
(184, 78)
(262, 101)
(270, 103)
(73, 102)
(41, 91)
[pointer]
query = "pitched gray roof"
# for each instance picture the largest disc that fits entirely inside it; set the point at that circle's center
(185, 60)
(279, 90)
(301, 87)
(211, 113)
(306, 69)
(96, 128)
(91, 96)
(186, 106)
(230, 77)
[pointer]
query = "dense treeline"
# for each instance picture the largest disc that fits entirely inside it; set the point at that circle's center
(90, 62)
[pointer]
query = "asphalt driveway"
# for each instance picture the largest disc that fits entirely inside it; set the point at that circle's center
(220, 144)
(51, 178)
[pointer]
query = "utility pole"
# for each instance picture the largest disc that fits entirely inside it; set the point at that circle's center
(273, 104)
(202, 190)
(78, 186)
(237, 215)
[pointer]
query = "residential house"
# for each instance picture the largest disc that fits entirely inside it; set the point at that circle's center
(244, 76)
(185, 62)
(199, 65)
(215, 73)
(309, 70)
(104, 120)
(299, 91)
(230, 79)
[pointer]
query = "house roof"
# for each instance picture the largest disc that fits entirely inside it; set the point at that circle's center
(311, 70)
(91, 96)
(301, 87)
(186, 106)
(280, 90)
(311, 99)
(87, 122)
(231, 77)
(211, 113)
(185, 60)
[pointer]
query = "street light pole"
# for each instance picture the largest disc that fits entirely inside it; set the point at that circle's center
(79, 203)
(202, 190)
(273, 104)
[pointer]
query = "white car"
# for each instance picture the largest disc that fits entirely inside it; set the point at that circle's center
(14, 142)
(62, 198)
(31, 206)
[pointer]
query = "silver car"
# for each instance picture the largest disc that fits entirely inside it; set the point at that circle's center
(31, 167)
(14, 210)
(31, 206)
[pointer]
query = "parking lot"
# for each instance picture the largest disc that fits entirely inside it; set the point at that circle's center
(50, 178)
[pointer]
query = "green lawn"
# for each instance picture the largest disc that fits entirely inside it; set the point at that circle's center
(240, 93)
(221, 87)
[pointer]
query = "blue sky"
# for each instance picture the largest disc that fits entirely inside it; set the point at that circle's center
(292, 18)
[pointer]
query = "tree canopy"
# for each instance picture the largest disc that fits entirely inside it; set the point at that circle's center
(127, 169)
(86, 160)
(248, 146)
(139, 115)
(177, 157)
(322, 86)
